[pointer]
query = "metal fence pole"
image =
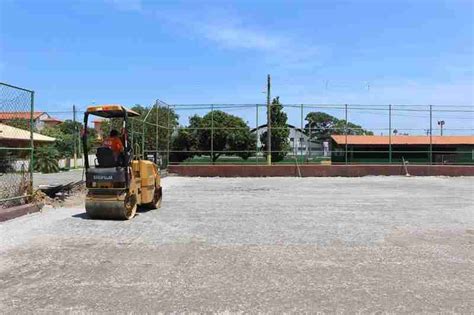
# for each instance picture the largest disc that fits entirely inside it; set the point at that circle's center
(143, 136)
(212, 133)
(256, 133)
(431, 134)
(168, 134)
(74, 135)
(301, 127)
(132, 137)
(345, 133)
(269, 124)
(32, 144)
(310, 130)
(390, 134)
(157, 131)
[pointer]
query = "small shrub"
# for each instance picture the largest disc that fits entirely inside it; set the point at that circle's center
(46, 159)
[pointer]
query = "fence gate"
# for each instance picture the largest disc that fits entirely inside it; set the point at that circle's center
(16, 145)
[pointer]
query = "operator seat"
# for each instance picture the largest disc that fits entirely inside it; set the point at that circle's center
(105, 157)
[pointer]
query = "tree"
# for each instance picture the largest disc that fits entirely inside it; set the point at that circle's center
(322, 125)
(20, 123)
(279, 131)
(67, 134)
(64, 144)
(183, 146)
(230, 136)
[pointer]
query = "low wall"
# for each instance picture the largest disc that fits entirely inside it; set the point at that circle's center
(14, 212)
(318, 170)
(63, 163)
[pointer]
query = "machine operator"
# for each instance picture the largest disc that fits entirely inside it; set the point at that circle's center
(114, 143)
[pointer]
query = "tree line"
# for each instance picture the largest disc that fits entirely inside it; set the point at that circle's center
(230, 135)
(214, 134)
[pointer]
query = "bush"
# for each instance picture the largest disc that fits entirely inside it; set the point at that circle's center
(6, 162)
(46, 159)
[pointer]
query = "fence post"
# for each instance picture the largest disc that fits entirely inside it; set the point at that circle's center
(74, 135)
(345, 133)
(143, 136)
(256, 133)
(302, 133)
(212, 133)
(390, 134)
(168, 134)
(269, 124)
(32, 143)
(431, 134)
(132, 138)
(156, 136)
(310, 134)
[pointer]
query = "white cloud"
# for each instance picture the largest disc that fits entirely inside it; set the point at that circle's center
(233, 36)
(277, 49)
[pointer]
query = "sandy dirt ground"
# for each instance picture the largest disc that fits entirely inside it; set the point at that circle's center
(61, 178)
(345, 245)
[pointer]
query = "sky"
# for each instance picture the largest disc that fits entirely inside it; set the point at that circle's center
(192, 52)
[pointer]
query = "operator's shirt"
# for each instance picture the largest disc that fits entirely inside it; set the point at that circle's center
(114, 143)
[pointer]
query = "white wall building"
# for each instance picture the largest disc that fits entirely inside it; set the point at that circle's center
(299, 141)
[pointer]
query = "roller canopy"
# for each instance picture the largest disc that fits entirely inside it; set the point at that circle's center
(111, 111)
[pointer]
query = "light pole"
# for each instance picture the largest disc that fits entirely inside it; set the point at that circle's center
(441, 124)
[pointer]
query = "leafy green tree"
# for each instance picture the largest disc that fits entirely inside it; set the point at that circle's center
(230, 136)
(20, 123)
(64, 144)
(279, 130)
(183, 146)
(67, 134)
(323, 125)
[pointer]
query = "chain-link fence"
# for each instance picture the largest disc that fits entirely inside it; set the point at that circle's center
(323, 134)
(17, 123)
(189, 134)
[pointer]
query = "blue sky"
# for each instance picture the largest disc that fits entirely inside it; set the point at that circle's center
(133, 51)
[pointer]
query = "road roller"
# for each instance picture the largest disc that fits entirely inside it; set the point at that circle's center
(119, 181)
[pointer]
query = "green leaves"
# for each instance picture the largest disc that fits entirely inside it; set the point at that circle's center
(217, 131)
(322, 125)
(46, 159)
(279, 130)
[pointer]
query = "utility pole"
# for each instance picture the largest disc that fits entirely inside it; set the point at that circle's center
(269, 125)
(75, 134)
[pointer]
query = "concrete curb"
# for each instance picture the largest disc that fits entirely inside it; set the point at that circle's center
(319, 170)
(14, 212)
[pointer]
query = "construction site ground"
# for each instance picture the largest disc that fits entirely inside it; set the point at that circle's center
(394, 244)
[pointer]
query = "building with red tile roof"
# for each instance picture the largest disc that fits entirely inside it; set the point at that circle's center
(417, 149)
(40, 119)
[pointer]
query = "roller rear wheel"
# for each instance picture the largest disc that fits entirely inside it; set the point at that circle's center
(130, 207)
(156, 203)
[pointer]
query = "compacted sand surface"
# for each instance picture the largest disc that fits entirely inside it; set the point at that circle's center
(350, 245)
